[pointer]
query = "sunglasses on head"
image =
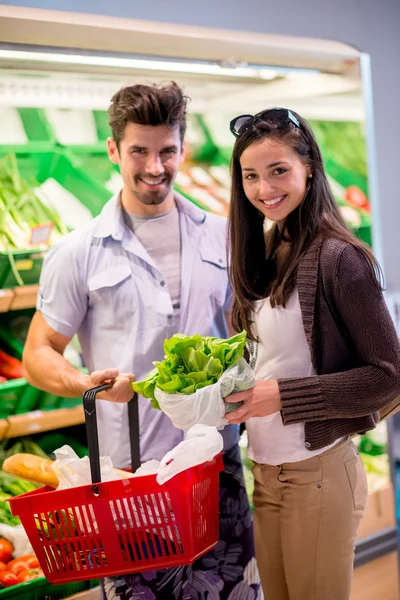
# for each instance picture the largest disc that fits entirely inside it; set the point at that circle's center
(281, 116)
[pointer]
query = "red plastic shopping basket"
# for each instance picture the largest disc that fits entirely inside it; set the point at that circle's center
(123, 526)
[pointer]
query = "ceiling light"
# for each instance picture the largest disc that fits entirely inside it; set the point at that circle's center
(201, 68)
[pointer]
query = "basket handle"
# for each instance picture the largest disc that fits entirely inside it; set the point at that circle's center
(89, 406)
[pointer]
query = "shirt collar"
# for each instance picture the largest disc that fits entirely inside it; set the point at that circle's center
(111, 222)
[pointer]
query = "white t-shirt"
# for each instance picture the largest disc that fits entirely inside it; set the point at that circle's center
(161, 237)
(281, 351)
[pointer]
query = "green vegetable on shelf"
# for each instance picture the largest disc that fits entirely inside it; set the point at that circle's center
(190, 364)
(21, 209)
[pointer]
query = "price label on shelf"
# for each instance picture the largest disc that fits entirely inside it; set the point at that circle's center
(40, 234)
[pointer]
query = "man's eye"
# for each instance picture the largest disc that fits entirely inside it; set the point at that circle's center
(169, 151)
(138, 151)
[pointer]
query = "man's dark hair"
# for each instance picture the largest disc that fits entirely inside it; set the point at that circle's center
(147, 105)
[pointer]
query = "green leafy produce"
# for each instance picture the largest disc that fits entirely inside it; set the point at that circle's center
(21, 209)
(191, 363)
(22, 446)
(5, 512)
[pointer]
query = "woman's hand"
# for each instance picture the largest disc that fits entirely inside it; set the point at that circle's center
(261, 400)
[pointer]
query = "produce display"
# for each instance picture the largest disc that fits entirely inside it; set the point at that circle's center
(191, 363)
(22, 212)
(10, 367)
(15, 568)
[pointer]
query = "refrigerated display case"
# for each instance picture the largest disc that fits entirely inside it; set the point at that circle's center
(57, 127)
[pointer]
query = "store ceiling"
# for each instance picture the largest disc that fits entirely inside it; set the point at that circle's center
(332, 90)
(109, 34)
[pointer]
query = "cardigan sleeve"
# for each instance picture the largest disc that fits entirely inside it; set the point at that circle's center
(369, 387)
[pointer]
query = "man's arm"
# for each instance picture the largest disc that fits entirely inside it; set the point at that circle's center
(46, 368)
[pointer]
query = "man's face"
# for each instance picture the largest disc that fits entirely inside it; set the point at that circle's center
(149, 158)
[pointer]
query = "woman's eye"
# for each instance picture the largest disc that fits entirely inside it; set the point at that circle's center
(250, 176)
(279, 171)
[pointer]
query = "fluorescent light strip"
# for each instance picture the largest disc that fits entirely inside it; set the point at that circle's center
(135, 63)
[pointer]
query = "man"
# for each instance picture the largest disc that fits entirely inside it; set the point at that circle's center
(150, 265)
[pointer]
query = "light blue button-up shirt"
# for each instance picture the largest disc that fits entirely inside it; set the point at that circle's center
(100, 282)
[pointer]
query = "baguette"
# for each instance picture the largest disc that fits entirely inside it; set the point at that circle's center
(32, 468)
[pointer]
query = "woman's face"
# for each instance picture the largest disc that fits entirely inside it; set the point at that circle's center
(274, 178)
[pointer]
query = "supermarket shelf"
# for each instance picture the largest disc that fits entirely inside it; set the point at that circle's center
(37, 421)
(3, 427)
(376, 545)
(18, 297)
(6, 298)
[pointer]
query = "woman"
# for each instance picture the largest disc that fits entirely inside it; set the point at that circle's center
(324, 350)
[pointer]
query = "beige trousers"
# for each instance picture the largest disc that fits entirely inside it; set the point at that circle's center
(306, 517)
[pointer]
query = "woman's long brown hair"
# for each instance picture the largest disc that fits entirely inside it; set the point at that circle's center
(254, 270)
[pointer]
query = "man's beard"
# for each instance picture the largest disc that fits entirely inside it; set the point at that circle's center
(153, 198)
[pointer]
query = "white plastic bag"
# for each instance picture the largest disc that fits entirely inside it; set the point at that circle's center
(206, 406)
(200, 445)
(73, 471)
(17, 536)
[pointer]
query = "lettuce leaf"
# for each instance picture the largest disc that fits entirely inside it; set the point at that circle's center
(191, 363)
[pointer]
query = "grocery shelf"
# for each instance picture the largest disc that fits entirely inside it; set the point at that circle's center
(18, 298)
(37, 421)
(3, 427)
(6, 298)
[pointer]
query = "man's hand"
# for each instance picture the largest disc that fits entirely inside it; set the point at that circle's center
(260, 401)
(121, 390)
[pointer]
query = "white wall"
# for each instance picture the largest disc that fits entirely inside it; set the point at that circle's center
(370, 25)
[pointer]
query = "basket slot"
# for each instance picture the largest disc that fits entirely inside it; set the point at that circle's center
(135, 512)
(199, 493)
(50, 560)
(93, 518)
(170, 545)
(157, 531)
(174, 529)
(59, 535)
(175, 547)
(152, 531)
(163, 518)
(116, 517)
(143, 525)
(76, 549)
(86, 520)
(45, 539)
(80, 523)
(103, 557)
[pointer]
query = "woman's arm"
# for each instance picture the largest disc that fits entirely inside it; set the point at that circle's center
(362, 390)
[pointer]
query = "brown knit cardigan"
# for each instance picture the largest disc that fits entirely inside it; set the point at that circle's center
(354, 347)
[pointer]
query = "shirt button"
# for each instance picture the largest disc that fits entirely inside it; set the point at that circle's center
(307, 445)
(220, 261)
(169, 317)
(162, 283)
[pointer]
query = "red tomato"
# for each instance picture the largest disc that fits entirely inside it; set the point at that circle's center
(6, 550)
(17, 565)
(3, 566)
(353, 195)
(32, 562)
(23, 563)
(8, 579)
(29, 574)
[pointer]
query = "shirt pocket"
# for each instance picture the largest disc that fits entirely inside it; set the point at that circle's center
(112, 293)
(214, 267)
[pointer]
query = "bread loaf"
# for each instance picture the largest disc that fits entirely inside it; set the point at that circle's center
(32, 468)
